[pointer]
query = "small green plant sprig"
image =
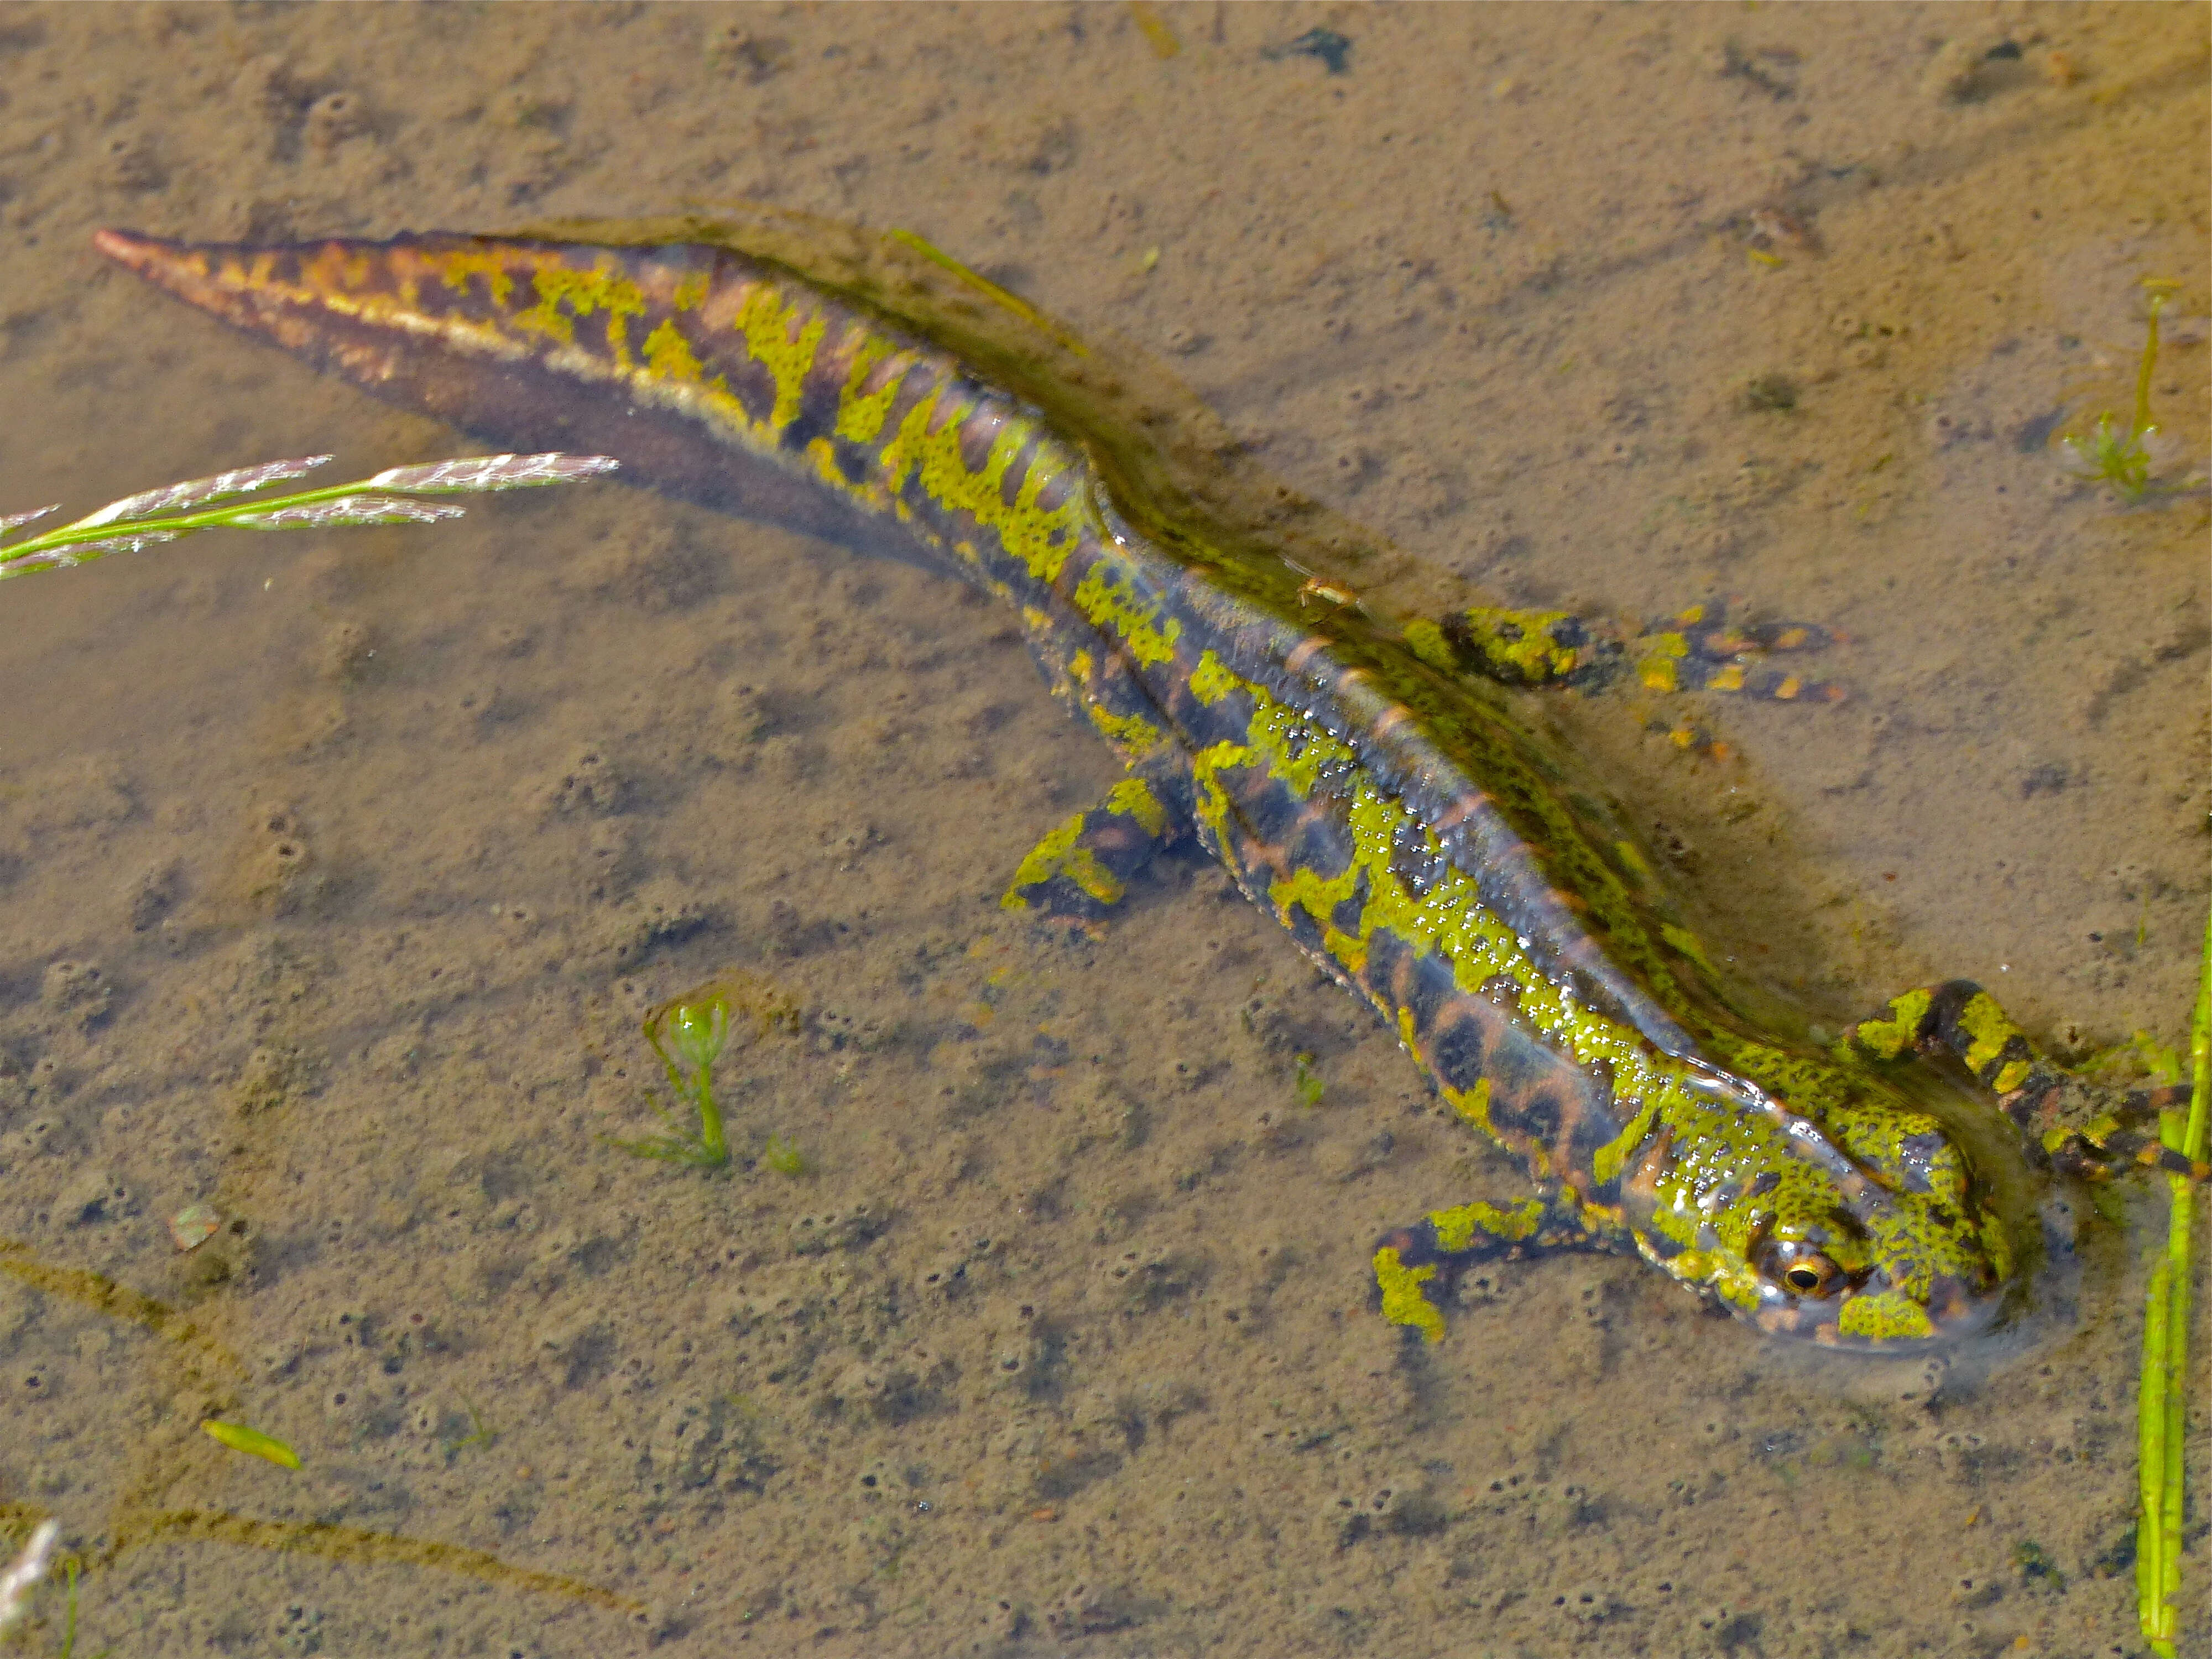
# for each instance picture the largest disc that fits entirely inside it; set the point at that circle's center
(783, 1154)
(481, 1433)
(399, 494)
(696, 1028)
(689, 1033)
(2120, 460)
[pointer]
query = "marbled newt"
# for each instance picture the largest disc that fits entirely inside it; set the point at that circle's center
(1364, 781)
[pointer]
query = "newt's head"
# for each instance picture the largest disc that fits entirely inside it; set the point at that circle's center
(1862, 1229)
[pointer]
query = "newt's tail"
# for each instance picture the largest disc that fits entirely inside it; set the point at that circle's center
(531, 345)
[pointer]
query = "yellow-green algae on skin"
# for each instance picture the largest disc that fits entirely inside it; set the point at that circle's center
(928, 445)
(1133, 733)
(565, 297)
(1656, 671)
(1612, 1157)
(1991, 1029)
(1886, 1039)
(1473, 1104)
(861, 413)
(1518, 645)
(668, 356)
(1210, 681)
(1458, 1226)
(1426, 640)
(783, 338)
(1111, 600)
(1403, 1303)
(1134, 798)
(1890, 1315)
(456, 269)
(1060, 852)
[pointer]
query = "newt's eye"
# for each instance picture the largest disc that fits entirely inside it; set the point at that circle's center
(1801, 1269)
(1809, 1278)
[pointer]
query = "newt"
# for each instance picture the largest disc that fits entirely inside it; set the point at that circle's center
(1363, 778)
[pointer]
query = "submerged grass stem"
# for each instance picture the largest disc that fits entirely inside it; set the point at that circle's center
(399, 494)
(2162, 1402)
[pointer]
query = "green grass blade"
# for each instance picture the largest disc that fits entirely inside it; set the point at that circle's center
(2162, 1404)
(156, 516)
(2141, 422)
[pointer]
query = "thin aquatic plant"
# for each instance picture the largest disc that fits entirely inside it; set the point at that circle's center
(72, 1570)
(399, 494)
(2162, 1403)
(2122, 460)
(689, 1033)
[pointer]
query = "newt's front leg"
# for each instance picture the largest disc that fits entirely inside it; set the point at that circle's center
(2080, 1127)
(1416, 1266)
(1081, 870)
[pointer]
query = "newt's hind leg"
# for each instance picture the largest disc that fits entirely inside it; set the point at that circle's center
(1697, 650)
(1517, 648)
(2081, 1127)
(1081, 870)
(1416, 1266)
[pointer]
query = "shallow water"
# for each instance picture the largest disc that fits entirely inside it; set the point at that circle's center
(338, 871)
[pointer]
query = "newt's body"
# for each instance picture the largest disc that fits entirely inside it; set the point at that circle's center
(1348, 773)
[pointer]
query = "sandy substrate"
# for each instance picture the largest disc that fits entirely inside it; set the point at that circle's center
(339, 870)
